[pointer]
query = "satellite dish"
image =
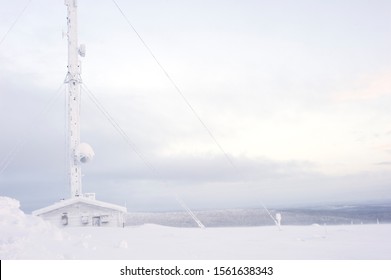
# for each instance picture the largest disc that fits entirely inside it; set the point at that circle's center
(86, 153)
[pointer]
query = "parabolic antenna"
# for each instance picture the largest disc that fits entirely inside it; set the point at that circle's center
(86, 153)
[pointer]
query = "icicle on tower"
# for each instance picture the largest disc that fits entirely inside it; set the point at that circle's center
(78, 152)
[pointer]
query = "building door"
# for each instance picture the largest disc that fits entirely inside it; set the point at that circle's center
(96, 221)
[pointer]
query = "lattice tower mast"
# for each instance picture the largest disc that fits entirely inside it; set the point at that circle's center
(73, 80)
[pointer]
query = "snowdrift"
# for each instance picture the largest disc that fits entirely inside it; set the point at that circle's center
(24, 236)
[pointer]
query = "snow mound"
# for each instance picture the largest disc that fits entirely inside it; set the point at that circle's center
(22, 236)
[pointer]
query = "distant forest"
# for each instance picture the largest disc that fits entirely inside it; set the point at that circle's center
(330, 215)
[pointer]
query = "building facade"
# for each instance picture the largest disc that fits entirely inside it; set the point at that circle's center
(82, 211)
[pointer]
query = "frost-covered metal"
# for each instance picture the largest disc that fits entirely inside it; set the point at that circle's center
(73, 79)
(78, 153)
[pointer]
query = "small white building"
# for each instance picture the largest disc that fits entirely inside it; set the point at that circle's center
(83, 211)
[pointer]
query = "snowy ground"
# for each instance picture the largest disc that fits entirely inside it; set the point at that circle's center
(26, 237)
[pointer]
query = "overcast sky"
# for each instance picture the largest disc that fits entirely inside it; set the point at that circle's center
(297, 93)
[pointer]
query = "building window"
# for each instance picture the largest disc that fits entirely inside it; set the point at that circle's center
(104, 219)
(85, 220)
(64, 219)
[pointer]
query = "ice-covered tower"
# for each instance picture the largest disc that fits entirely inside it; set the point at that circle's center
(80, 209)
(77, 152)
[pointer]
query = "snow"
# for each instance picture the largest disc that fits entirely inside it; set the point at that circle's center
(25, 236)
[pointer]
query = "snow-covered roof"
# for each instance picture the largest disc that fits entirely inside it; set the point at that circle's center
(75, 200)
